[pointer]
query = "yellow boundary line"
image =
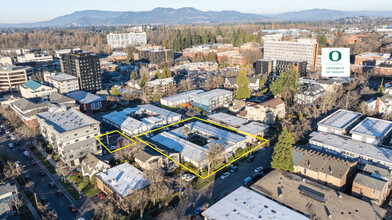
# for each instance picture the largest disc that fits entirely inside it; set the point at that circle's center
(258, 138)
(97, 137)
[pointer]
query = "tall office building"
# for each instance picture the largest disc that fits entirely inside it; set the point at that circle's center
(122, 40)
(275, 67)
(300, 50)
(86, 67)
(156, 56)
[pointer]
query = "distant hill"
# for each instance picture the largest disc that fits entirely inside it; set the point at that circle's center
(189, 16)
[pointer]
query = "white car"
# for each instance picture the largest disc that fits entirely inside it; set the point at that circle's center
(188, 177)
(12, 137)
(10, 145)
(26, 153)
(18, 164)
(259, 169)
(225, 175)
(2, 126)
(7, 131)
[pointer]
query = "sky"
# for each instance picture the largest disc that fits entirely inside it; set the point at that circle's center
(21, 11)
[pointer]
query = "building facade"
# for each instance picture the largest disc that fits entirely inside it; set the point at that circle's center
(63, 82)
(301, 50)
(275, 67)
(13, 76)
(123, 40)
(86, 67)
(156, 56)
(214, 99)
(266, 112)
(32, 89)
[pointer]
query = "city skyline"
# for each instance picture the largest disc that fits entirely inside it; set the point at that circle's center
(47, 10)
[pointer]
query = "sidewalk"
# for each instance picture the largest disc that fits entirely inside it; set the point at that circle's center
(46, 155)
(28, 203)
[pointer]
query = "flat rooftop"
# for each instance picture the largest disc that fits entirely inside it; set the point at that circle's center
(186, 148)
(115, 117)
(124, 179)
(68, 120)
(243, 203)
(373, 127)
(340, 119)
(253, 128)
(62, 77)
(228, 119)
(158, 110)
(214, 93)
(309, 197)
(183, 95)
(353, 146)
(214, 131)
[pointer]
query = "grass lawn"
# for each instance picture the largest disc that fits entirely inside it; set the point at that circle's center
(89, 190)
(204, 183)
(74, 193)
(45, 162)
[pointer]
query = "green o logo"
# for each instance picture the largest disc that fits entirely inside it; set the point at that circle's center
(331, 55)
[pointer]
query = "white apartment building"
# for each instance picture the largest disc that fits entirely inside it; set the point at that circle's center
(301, 50)
(70, 133)
(122, 40)
(31, 57)
(63, 82)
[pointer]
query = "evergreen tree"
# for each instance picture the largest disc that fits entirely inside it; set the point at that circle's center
(143, 80)
(282, 158)
(218, 31)
(322, 40)
(286, 85)
(211, 57)
(133, 75)
(114, 91)
(262, 81)
(243, 85)
(381, 89)
(130, 57)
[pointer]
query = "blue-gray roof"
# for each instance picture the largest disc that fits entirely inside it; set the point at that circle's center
(84, 97)
(158, 111)
(33, 85)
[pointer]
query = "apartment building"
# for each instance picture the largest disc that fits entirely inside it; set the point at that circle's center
(183, 99)
(88, 102)
(301, 50)
(231, 83)
(120, 182)
(327, 169)
(266, 112)
(274, 67)
(214, 99)
(340, 122)
(13, 76)
(123, 40)
(70, 133)
(375, 189)
(156, 56)
(308, 94)
(86, 67)
(160, 86)
(63, 82)
(372, 131)
(32, 89)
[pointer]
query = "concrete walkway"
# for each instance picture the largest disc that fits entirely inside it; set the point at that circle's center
(28, 203)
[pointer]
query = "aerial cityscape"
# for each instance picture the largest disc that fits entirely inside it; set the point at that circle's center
(215, 110)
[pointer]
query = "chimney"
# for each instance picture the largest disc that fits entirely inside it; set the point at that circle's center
(377, 105)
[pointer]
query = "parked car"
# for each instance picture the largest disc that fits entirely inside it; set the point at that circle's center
(48, 205)
(247, 180)
(256, 175)
(10, 145)
(101, 195)
(52, 184)
(225, 175)
(28, 178)
(26, 153)
(188, 176)
(59, 193)
(234, 169)
(73, 208)
(251, 158)
(22, 149)
(259, 169)
(7, 131)
(42, 173)
(33, 162)
(18, 164)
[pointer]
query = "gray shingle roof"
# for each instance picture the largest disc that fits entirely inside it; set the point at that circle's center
(6, 188)
(369, 181)
(379, 171)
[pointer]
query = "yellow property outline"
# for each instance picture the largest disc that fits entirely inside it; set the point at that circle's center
(97, 137)
(190, 170)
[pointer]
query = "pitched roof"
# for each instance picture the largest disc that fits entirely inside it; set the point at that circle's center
(33, 85)
(84, 97)
(377, 170)
(29, 104)
(89, 163)
(272, 103)
(145, 154)
(369, 181)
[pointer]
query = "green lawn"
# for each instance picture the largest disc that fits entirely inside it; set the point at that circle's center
(205, 183)
(89, 190)
(45, 162)
(74, 193)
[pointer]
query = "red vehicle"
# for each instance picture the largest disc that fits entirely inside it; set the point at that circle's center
(101, 195)
(73, 208)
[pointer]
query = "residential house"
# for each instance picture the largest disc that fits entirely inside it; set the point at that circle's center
(134, 84)
(231, 83)
(307, 94)
(120, 182)
(8, 192)
(266, 112)
(160, 86)
(381, 105)
(32, 89)
(375, 189)
(88, 102)
(91, 165)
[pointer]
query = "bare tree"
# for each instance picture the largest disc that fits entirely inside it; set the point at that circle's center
(215, 154)
(16, 202)
(159, 185)
(61, 169)
(138, 201)
(11, 170)
(350, 100)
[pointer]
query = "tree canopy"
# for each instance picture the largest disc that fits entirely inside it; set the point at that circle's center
(130, 57)
(243, 91)
(133, 75)
(286, 85)
(282, 158)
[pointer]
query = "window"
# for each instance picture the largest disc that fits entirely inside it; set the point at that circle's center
(76, 140)
(75, 134)
(376, 192)
(326, 177)
(304, 171)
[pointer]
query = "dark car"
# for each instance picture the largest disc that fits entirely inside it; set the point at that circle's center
(44, 200)
(73, 208)
(59, 193)
(234, 169)
(251, 158)
(52, 185)
(256, 175)
(28, 178)
(42, 173)
(48, 205)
